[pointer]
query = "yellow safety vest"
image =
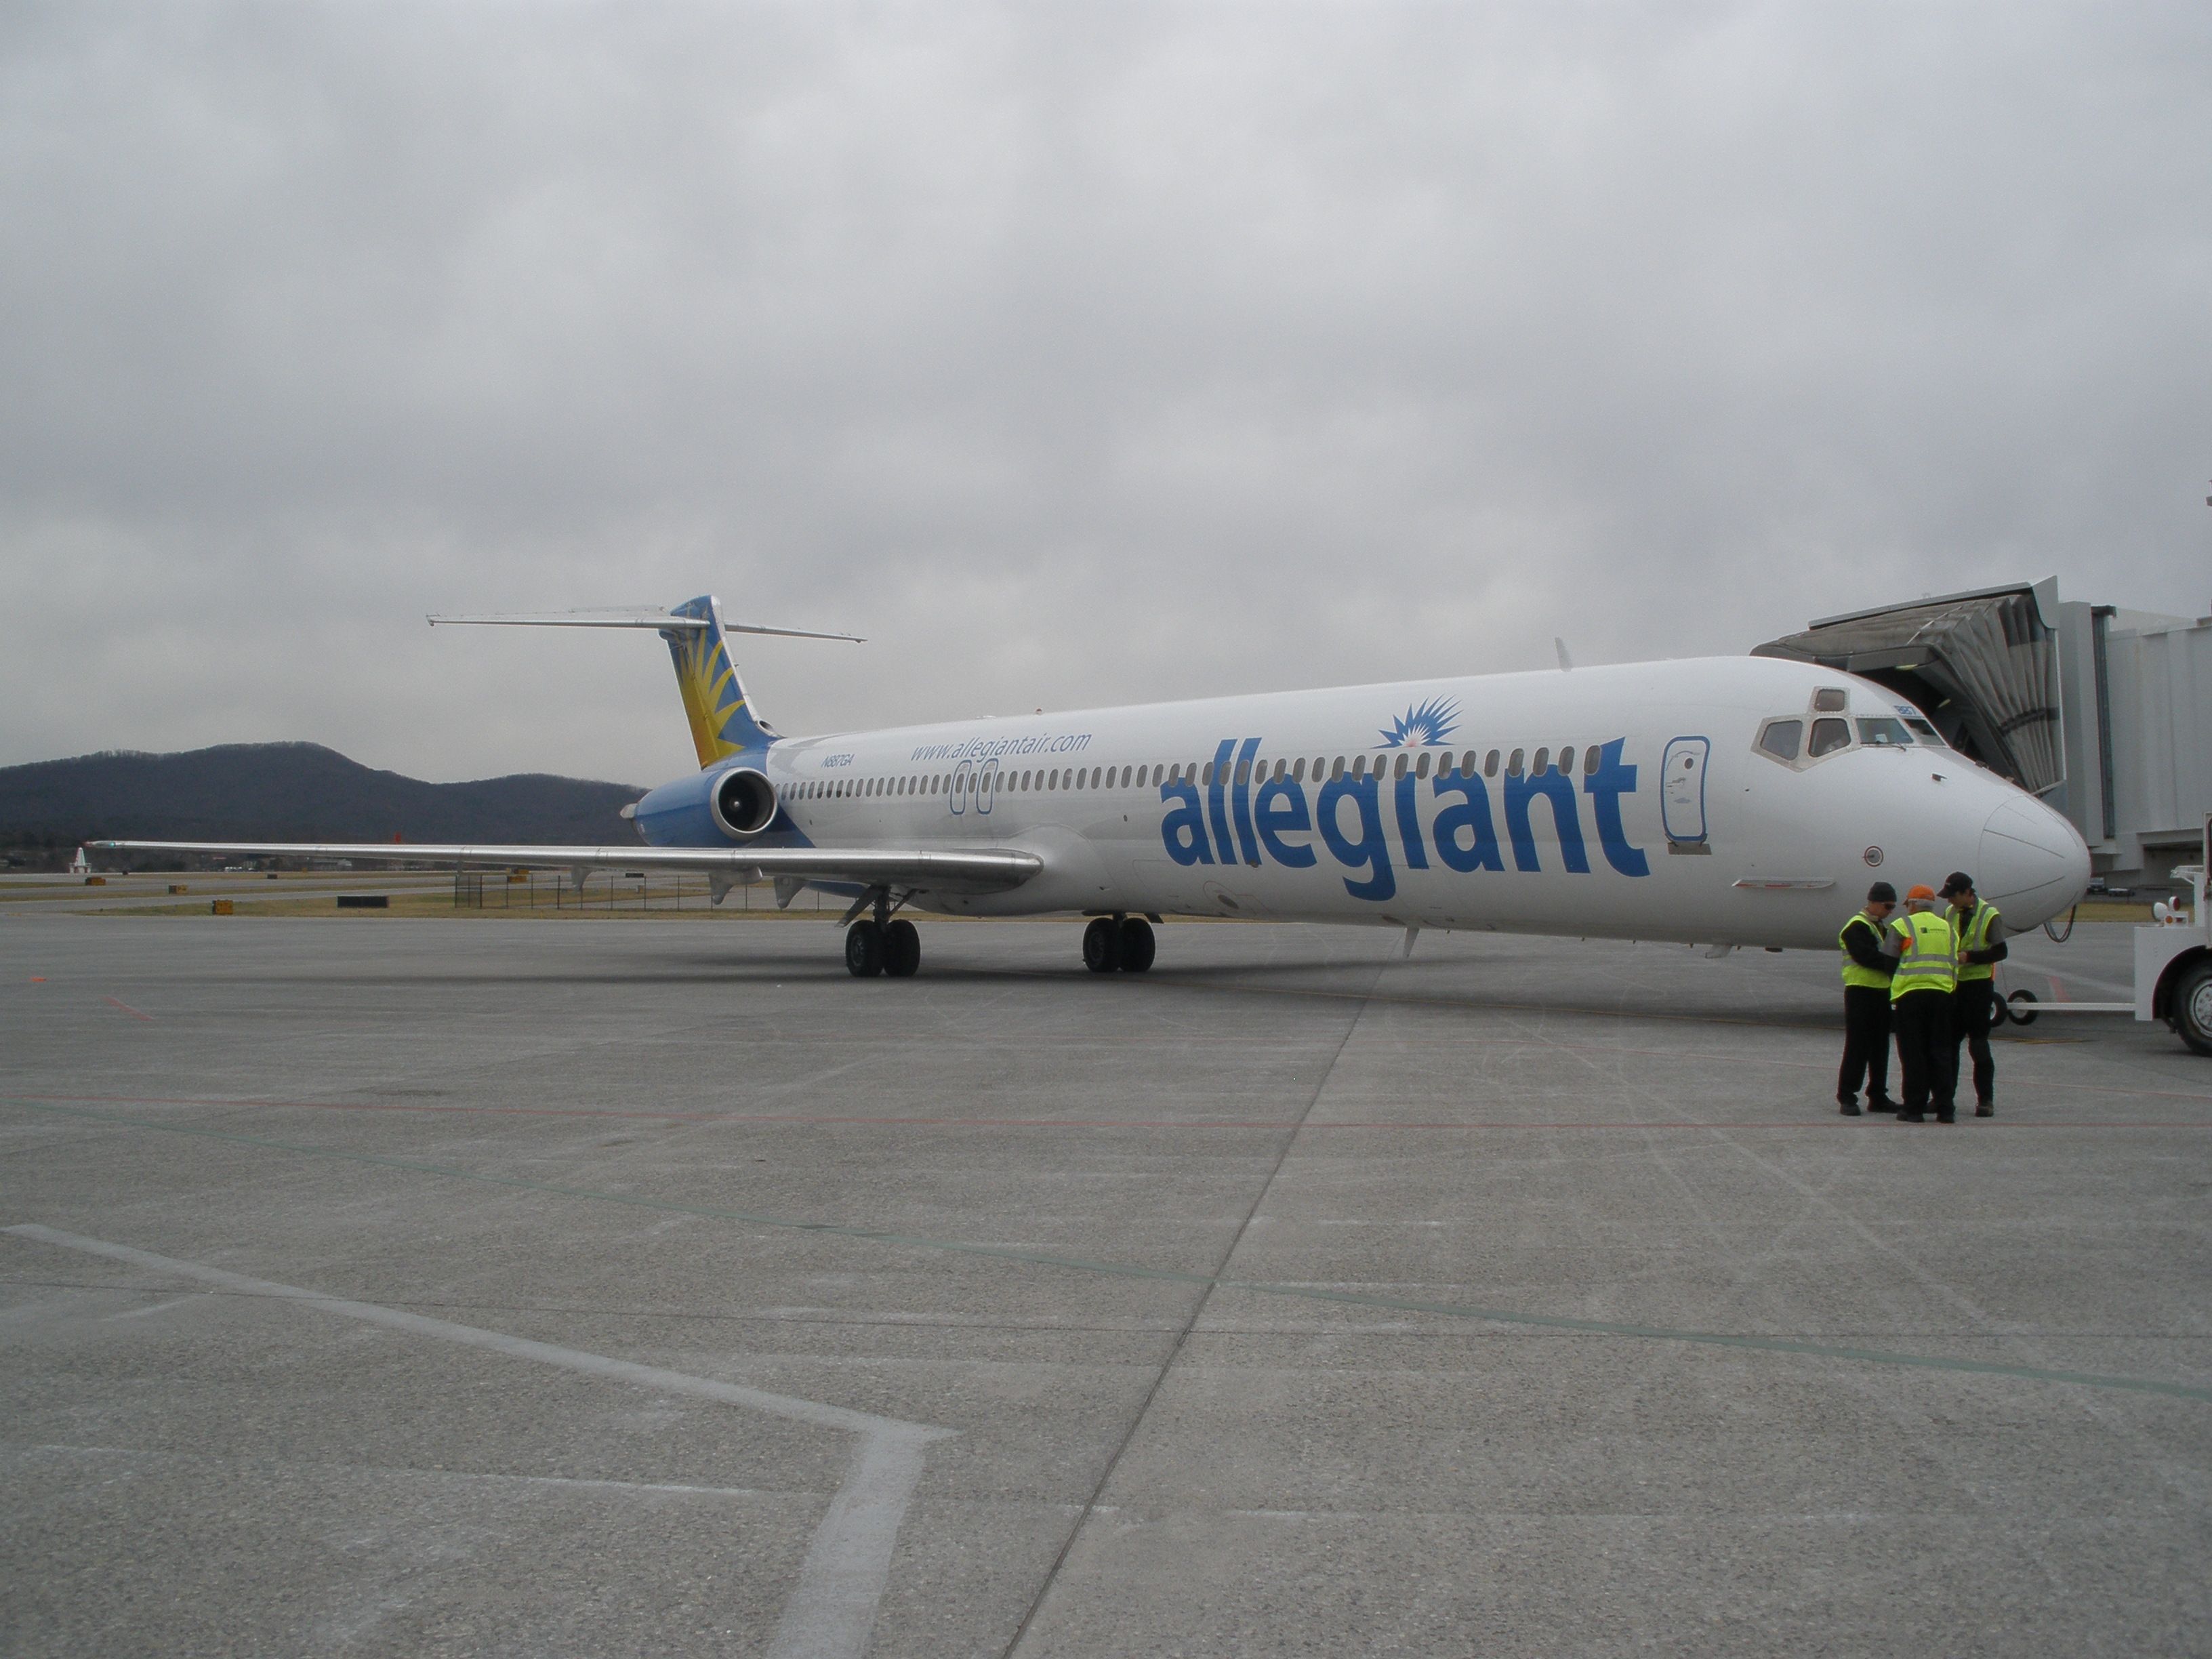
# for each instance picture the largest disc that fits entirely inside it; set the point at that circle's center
(1974, 935)
(1931, 961)
(1853, 974)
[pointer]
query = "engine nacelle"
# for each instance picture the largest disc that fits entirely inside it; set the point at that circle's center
(743, 803)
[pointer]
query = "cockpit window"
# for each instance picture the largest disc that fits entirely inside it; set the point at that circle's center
(1829, 736)
(1882, 732)
(1782, 738)
(1927, 733)
(1829, 700)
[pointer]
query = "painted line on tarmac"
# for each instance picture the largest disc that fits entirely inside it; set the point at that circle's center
(127, 1008)
(1169, 1275)
(832, 1610)
(1820, 1118)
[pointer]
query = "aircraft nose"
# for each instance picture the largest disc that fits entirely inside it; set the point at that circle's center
(2033, 863)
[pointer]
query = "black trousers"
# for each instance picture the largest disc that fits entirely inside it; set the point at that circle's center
(1971, 1005)
(1865, 1042)
(1927, 1050)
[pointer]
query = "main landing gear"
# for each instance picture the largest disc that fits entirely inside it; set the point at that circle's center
(876, 947)
(1122, 944)
(881, 946)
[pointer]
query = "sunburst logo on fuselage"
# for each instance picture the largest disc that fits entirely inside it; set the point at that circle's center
(1429, 722)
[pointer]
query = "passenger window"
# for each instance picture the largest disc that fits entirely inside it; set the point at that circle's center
(1298, 772)
(1399, 770)
(1206, 775)
(1421, 766)
(1566, 760)
(1243, 771)
(1829, 736)
(1882, 732)
(1336, 769)
(1513, 766)
(1781, 738)
(1489, 765)
(1543, 762)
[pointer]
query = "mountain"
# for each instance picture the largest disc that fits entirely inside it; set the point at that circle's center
(293, 792)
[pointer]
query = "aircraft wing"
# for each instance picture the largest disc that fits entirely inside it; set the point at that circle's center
(939, 870)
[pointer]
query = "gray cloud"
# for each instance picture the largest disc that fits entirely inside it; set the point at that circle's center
(1075, 354)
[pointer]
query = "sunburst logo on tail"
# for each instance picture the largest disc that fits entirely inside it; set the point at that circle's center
(1429, 722)
(713, 699)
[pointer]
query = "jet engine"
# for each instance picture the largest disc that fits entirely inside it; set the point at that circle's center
(743, 803)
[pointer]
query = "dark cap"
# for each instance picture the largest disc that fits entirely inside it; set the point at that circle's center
(1957, 882)
(1881, 893)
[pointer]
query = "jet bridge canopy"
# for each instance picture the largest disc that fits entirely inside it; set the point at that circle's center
(1983, 666)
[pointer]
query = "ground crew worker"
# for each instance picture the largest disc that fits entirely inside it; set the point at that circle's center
(1866, 1007)
(1923, 974)
(1980, 931)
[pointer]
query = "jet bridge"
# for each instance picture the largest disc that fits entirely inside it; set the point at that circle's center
(1983, 666)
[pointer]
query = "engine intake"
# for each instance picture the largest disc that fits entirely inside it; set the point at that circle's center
(744, 803)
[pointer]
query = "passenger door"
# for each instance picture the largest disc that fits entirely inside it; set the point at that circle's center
(1683, 793)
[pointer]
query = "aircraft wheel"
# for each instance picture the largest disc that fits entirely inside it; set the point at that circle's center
(902, 950)
(2193, 1008)
(1136, 945)
(2020, 1008)
(864, 949)
(1101, 945)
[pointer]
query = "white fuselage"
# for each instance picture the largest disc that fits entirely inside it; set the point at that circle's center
(1670, 820)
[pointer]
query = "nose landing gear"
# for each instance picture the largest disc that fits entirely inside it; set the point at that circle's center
(1118, 944)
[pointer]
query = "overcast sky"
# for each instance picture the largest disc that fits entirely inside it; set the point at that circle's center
(1075, 354)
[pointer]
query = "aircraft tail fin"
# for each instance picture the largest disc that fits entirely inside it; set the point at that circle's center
(723, 723)
(722, 720)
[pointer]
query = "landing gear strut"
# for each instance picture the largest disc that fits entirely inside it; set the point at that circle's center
(1122, 944)
(881, 946)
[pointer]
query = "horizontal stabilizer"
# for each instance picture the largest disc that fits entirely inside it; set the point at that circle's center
(967, 870)
(631, 616)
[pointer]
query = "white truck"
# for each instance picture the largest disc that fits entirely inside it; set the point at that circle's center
(2172, 968)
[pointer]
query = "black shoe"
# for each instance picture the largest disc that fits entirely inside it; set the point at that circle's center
(1911, 1117)
(1881, 1106)
(1947, 1117)
(1987, 1108)
(1849, 1108)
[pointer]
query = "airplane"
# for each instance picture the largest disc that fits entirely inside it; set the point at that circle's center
(1729, 802)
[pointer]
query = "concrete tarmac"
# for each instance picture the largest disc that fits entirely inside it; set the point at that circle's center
(397, 1286)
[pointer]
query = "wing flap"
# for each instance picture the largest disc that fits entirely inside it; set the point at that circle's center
(942, 870)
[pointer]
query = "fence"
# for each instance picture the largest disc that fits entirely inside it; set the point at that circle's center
(615, 892)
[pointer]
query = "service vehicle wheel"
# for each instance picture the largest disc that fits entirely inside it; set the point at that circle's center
(864, 949)
(1137, 945)
(1101, 945)
(2193, 1008)
(902, 950)
(2021, 1008)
